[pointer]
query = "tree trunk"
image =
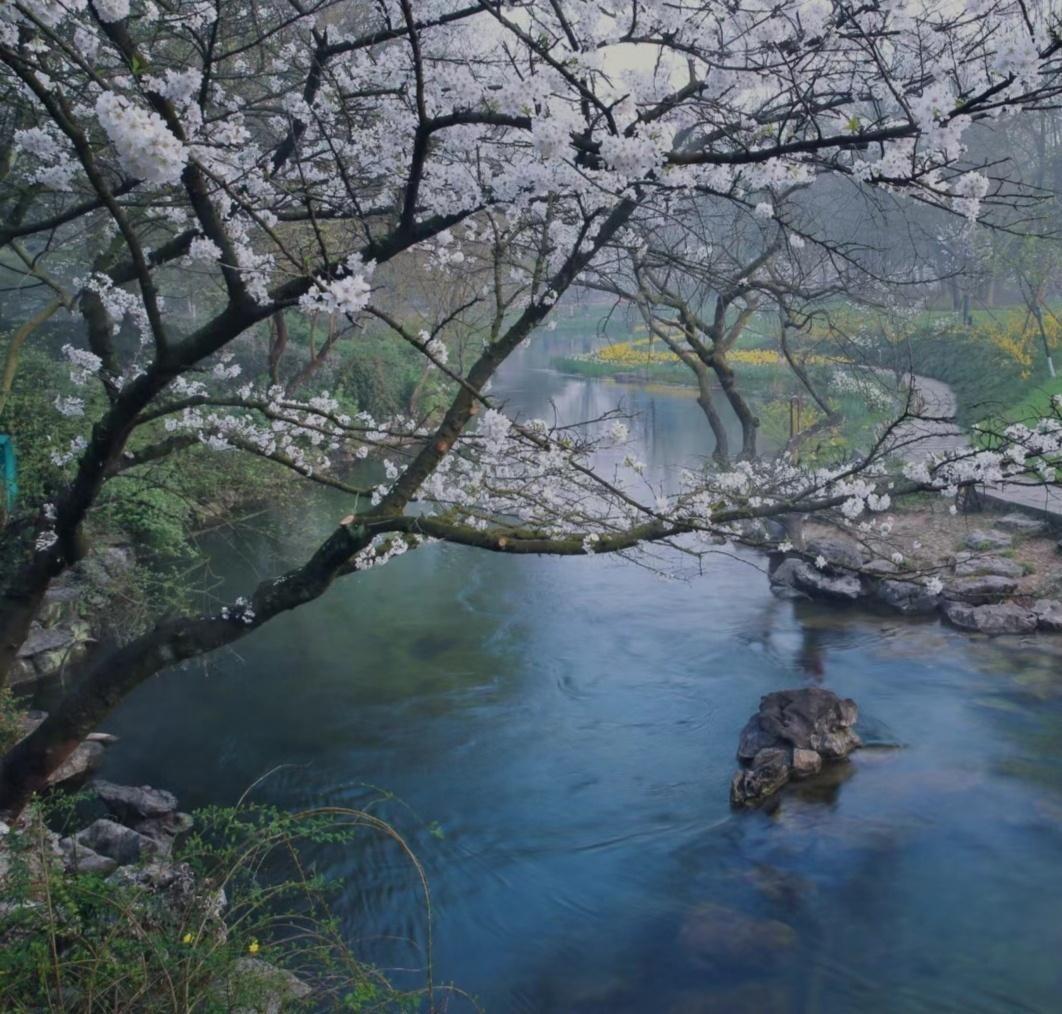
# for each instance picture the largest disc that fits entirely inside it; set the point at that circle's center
(721, 454)
(277, 346)
(748, 419)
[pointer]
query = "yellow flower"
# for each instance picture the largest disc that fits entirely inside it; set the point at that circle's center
(253, 947)
(187, 938)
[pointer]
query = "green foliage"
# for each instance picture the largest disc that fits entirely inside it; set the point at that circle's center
(88, 943)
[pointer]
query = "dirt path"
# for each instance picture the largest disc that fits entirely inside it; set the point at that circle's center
(919, 438)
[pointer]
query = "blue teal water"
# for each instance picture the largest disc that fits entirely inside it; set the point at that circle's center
(570, 725)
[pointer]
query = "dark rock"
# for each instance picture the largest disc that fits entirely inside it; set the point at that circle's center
(722, 938)
(163, 830)
(1002, 618)
(78, 858)
(794, 575)
(783, 579)
(840, 554)
(811, 718)
(880, 567)
(996, 565)
(982, 589)
(907, 597)
(130, 803)
(121, 843)
(790, 735)
(768, 772)
(1023, 524)
(1048, 614)
(979, 538)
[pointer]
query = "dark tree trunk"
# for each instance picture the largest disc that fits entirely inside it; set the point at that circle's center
(26, 766)
(721, 454)
(277, 346)
(750, 423)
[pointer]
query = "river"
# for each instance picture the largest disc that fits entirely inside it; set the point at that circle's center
(560, 735)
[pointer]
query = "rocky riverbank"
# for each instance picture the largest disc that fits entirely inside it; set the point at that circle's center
(984, 573)
(124, 862)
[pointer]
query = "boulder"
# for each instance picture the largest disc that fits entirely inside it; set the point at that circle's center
(840, 554)
(163, 830)
(789, 737)
(907, 597)
(810, 718)
(1020, 523)
(783, 579)
(122, 844)
(999, 566)
(1002, 618)
(880, 567)
(798, 576)
(78, 858)
(989, 539)
(130, 803)
(981, 589)
(254, 986)
(1048, 613)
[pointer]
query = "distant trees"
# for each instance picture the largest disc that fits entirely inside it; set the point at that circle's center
(291, 158)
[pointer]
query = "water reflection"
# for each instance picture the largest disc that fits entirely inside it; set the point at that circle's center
(570, 725)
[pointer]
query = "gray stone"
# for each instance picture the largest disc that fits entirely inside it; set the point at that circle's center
(163, 830)
(880, 567)
(806, 763)
(981, 589)
(996, 565)
(783, 580)
(130, 802)
(42, 639)
(121, 843)
(907, 597)
(78, 858)
(991, 539)
(794, 575)
(840, 553)
(1048, 613)
(1023, 524)
(1003, 618)
(254, 986)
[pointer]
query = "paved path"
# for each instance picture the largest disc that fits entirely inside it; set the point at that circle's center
(919, 438)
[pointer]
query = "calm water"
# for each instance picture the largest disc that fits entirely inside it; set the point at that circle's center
(571, 724)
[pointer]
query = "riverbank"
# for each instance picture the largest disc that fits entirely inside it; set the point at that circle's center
(987, 572)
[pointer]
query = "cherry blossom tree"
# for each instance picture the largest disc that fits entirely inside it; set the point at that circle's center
(281, 156)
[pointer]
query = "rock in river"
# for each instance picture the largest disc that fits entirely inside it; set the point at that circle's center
(795, 576)
(789, 737)
(1003, 618)
(907, 597)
